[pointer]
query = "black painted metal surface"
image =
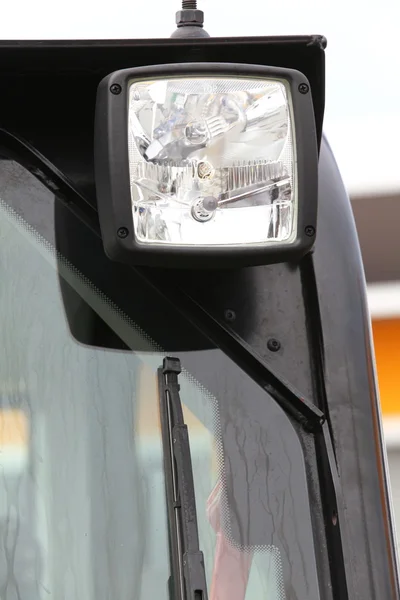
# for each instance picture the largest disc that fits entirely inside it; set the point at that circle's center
(315, 311)
(351, 392)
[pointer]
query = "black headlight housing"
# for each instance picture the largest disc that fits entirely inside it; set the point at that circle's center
(113, 182)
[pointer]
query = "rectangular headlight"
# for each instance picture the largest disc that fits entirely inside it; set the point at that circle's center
(211, 161)
(206, 162)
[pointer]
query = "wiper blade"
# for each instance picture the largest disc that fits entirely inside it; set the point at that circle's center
(187, 560)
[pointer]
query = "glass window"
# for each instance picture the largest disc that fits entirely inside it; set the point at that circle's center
(82, 498)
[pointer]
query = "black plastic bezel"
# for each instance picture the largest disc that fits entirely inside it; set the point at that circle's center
(113, 181)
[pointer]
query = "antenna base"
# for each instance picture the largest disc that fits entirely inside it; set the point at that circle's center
(189, 23)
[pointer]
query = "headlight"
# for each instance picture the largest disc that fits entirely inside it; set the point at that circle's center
(206, 162)
(211, 161)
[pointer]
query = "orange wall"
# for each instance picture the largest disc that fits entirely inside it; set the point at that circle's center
(387, 352)
(13, 428)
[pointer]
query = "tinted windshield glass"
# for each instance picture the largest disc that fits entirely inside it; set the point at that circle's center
(82, 497)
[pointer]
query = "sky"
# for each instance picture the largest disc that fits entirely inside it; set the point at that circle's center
(362, 120)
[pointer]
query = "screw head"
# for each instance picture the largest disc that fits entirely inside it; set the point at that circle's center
(273, 345)
(309, 230)
(303, 88)
(115, 89)
(230, 315)
(122, 232)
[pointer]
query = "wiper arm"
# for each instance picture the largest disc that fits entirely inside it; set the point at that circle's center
(187, 560)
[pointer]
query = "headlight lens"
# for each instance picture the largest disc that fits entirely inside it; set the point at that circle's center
(212, 161)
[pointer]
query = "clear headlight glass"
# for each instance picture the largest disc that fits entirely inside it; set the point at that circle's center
(212, 161)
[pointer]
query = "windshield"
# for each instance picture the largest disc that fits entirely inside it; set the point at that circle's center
(83, 511)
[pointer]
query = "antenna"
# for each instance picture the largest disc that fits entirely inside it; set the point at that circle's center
(189, 21)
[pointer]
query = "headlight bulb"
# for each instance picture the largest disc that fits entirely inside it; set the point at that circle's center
(203, 209)
(196, 133)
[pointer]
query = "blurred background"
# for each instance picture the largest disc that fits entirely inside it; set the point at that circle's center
(362, 122)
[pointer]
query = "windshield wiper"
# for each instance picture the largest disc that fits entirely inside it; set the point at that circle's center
(187, 560)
